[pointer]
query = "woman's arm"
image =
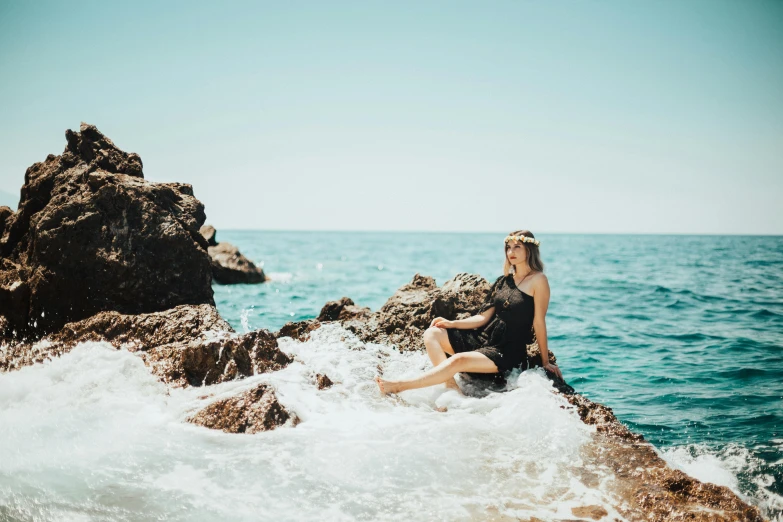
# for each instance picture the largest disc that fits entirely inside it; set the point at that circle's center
(476, 321)
(541, 295)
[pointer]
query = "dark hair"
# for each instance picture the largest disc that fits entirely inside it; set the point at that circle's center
(533, 254)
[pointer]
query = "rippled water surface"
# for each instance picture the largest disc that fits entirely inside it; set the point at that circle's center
(681, 335)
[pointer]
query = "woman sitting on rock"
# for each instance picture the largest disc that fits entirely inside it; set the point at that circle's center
(495, 340)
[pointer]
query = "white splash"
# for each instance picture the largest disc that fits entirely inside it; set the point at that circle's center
(94, 436)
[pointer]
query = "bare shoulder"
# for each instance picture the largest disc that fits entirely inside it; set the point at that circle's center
(540, 282)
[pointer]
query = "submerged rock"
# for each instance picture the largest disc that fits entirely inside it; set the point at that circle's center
(229, 266)
(91, 235)
(323, 381)
(253, 411)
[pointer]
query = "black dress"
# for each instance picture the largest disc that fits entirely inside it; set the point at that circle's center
(505, 337)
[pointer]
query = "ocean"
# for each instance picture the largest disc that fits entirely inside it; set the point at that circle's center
(681, 335)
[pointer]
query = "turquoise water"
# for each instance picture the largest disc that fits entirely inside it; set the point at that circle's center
(681, 335)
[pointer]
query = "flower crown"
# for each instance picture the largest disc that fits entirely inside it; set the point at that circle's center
(522, 239)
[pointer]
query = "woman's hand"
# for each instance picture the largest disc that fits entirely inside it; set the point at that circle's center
(440, 322)
(554, 369)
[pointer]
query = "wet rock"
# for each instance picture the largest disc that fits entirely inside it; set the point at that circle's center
(229, 266)
(299, 330)
(649, 488)
(253, 411)
(343, 310)
(322, 381)
(91, 235)
(184, 346)
(591, 512)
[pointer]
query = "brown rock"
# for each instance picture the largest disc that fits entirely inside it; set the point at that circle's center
(186, 345)
(91, 235)
(230, 267)
(323, 381)
(343, 310)
(299, 330)
(649, 488)
(253, 411)
(592, 512)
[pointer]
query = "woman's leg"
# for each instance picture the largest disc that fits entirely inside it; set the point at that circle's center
(475, 362)
(437, 342)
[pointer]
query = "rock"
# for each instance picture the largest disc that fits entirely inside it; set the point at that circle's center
(253, 411)
(299, 330)
(322, 381)
(592, 512)
(6, 219)
(209, 233)
(645, 483)
(343, 310)
(229, 266)
(92, 235)
(183, 346)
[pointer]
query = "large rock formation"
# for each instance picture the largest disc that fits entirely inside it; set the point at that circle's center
(229, 266)
(96, 253)
(92, 235)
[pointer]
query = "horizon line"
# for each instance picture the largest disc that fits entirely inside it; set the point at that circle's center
(394, 231)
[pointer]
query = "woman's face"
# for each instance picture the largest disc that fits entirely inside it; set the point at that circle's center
(516, 253)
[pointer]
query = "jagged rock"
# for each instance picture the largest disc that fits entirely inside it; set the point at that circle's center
(591, 512)
(229, 266)
(646, 483)
(6, 219)
(323, 381)
(299, 330)
(184, 346)
(92, 235)
(253, 411)
(343, 310)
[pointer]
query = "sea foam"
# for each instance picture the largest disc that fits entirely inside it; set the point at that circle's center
(93, 436)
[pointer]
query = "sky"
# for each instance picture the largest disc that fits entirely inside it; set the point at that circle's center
(572, 117)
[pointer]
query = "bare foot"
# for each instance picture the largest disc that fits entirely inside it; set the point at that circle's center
(380, 382)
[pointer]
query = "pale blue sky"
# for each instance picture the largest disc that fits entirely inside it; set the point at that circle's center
(650, 117)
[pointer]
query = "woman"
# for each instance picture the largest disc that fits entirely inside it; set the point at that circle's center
(495, 340)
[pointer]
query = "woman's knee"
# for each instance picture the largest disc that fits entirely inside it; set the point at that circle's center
(459, 362)
(433, 333)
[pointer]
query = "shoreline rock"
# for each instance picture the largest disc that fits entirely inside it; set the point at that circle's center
(229, 266)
